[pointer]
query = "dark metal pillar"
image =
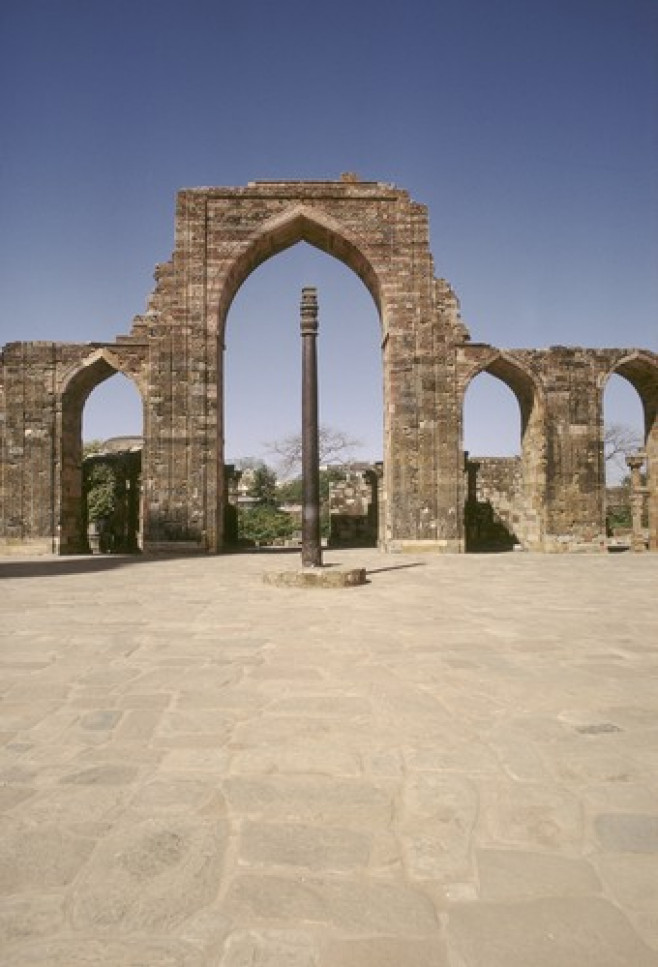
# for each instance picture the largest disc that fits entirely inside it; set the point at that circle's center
(311, 543)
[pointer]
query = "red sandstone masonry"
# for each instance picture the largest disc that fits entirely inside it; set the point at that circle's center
(174, 353)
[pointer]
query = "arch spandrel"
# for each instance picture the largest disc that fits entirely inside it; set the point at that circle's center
(82, 377)
(299, 224)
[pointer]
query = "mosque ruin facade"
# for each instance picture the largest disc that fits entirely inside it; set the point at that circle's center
(174, 353)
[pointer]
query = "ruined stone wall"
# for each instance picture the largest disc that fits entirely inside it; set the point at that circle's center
(174, 353)
(224, 234)
(497, 485)
(560, 395)
(44, 389)
(353, 508)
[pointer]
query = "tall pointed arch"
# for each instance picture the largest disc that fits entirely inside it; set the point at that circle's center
(298, 224)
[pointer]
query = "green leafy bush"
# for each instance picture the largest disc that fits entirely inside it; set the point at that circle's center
(264, 524)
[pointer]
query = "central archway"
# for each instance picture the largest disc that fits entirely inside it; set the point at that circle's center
(277, 236)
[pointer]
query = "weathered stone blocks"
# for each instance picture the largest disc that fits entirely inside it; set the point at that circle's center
(174, 354)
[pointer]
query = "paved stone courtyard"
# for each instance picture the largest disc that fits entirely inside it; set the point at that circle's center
(456, 764)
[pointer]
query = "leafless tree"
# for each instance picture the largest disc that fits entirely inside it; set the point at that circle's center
(333, 444)
(620, 440)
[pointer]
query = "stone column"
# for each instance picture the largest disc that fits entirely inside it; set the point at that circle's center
(311, 544)
(634, 462)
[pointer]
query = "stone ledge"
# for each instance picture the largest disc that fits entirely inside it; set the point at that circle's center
(320, 577)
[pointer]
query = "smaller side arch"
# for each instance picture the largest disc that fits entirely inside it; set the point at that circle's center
(76, 384)
(527, 514)
(99, 365)
(641, 371)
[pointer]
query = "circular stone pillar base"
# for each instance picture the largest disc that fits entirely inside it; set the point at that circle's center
(317, 577)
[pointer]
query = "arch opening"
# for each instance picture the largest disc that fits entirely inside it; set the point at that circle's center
(262, 374)
(101, 457)
(630, 429)
(504, 459)
(285, 232)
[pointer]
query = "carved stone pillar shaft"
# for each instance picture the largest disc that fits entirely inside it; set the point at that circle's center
(311, 542)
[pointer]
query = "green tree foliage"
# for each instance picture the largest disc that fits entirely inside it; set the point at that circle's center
(264, 524)
(263, 487)
(101, 488)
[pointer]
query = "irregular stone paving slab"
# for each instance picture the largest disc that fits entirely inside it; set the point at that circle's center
(622, 797)
(438, 817)
(555, 932)
(150, 876)
(102, 775)
(322, 849)
(81, 952)
(210, 762)
(270, 948)
(454, 753)
(310, 799)
(632, 880)
(353, 906)
(627, 833)
(39, 857)
(266, 729)
(334, 706)
(384, 952)
(532, 815)
(595, 766)
(11, 796)
(27, 918)
(298, 757)
(514, 874)
(101, 720)
(179, 793)
(138, 725)
(70, 804)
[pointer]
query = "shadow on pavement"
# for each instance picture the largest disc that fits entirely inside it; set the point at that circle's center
(395, 567)
(58, 566)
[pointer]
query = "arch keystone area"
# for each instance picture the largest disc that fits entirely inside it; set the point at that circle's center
(175, 357)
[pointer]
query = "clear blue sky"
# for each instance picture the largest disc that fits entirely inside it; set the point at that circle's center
(529, 128)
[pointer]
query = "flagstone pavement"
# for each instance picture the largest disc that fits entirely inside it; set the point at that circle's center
(455, 765)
